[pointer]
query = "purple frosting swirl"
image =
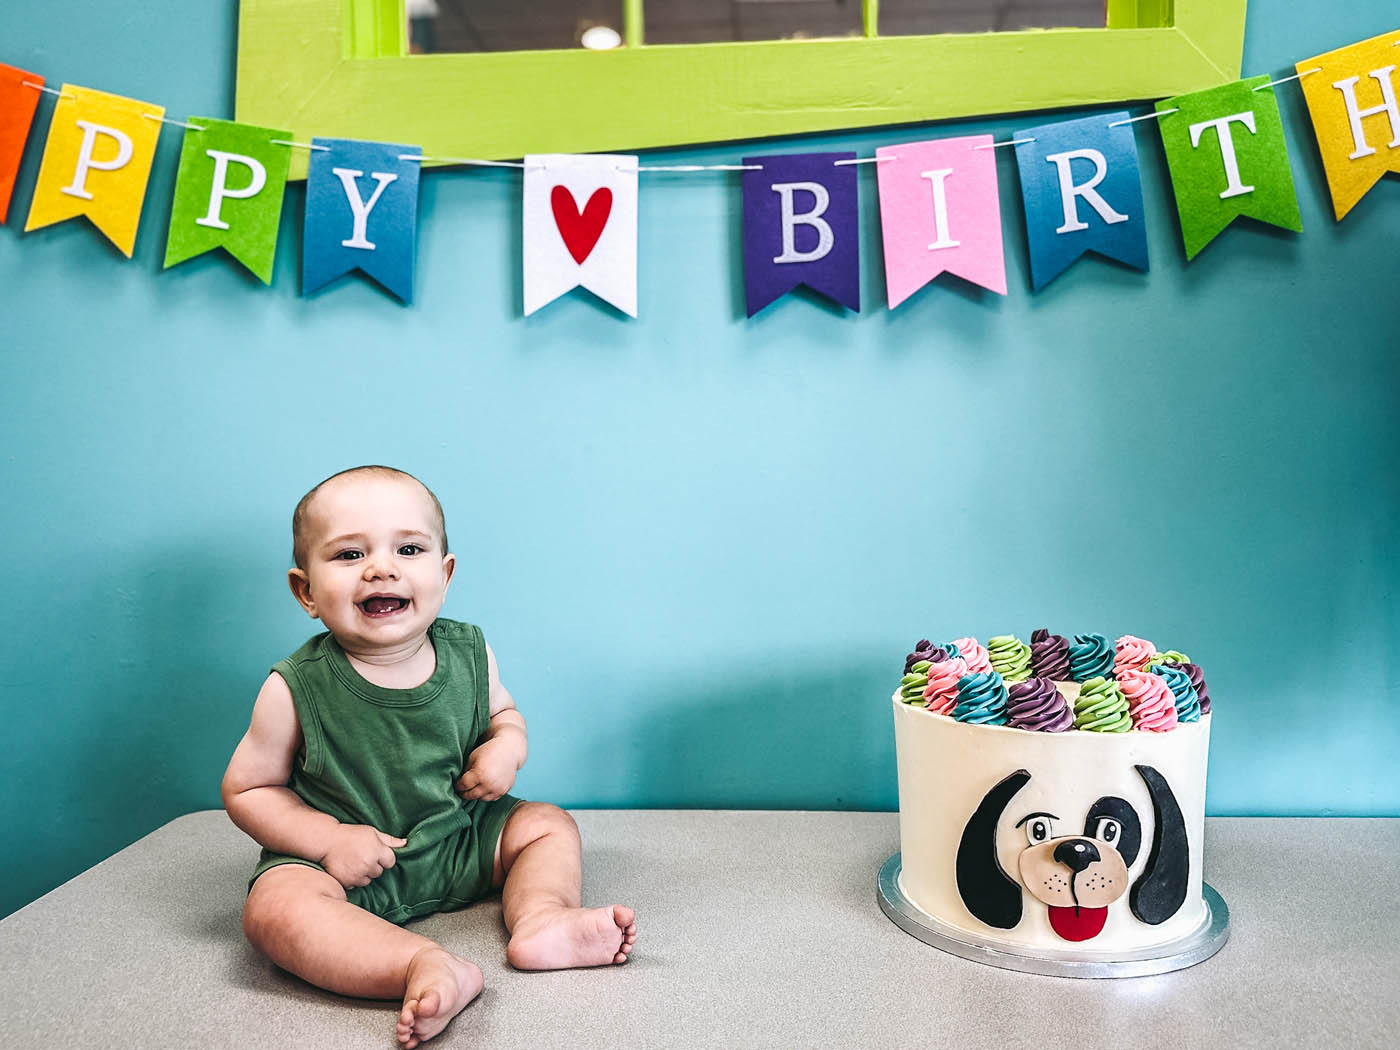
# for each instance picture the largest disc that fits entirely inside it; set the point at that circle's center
(925, 650)
(1198, 681)
(1049, 655)
(1037, 705)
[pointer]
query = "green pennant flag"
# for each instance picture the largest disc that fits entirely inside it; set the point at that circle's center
(228, 193)
(1227, 156)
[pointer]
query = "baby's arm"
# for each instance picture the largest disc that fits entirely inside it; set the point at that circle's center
(491, 768)
(257, 798)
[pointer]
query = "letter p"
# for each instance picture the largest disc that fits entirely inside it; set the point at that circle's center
(219, 191)
(86, 161)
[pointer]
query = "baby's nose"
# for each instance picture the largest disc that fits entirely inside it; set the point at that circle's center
(379, 568)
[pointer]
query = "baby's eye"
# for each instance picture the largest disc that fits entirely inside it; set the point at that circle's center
(408, 550)
(348, 556)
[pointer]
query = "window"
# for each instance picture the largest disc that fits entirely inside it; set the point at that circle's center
(358, 68)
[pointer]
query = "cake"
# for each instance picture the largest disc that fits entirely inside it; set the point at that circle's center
(1052, 794)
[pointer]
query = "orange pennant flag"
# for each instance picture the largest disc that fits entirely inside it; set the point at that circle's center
(19, 94)
(97, 162)
(1351, 95)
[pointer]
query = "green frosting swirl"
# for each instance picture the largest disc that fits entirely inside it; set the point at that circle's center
(1011, 658)
(1171, 656)
(1102, 707)
(912, 685)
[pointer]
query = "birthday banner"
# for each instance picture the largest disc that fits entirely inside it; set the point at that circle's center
(940, 211)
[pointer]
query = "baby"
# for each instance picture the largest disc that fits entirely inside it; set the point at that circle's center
(376, 771)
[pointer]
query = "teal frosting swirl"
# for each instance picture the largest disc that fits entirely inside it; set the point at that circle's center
(982, 699)
(1090, 656)
(1188, 704)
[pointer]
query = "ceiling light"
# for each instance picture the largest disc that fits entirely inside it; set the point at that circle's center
(600, 38)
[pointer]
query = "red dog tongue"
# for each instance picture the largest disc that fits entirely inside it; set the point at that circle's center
(1078, 924)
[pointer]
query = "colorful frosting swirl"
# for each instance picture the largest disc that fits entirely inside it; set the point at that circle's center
(1150, 701)
(1049, 655)
(911, 686)
(1090, 657)
(1010, 657)
(982, 699)
(1037, 705)
(979, 661)
(1198, 682)
(1124, 685)
(1102, 707)
(1171, 656)
(1132, 654)
(1188, 704)
(925, 650)
(942, 690)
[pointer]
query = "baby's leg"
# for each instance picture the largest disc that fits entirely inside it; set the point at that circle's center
(299, 918)
(539, 858)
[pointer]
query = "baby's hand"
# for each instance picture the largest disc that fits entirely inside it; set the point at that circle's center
(490, 771)
(360, 853)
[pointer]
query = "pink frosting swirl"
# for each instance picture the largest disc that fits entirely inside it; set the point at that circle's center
(1151, 702)
(1131, 654)
(941, 693)
(979, 661)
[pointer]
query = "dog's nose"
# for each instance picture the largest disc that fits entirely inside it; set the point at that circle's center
(1076, 854)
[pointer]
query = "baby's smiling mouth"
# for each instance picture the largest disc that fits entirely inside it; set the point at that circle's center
(381, 605)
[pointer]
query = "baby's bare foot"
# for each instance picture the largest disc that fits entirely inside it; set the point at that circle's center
(568, 937)
(439, 986)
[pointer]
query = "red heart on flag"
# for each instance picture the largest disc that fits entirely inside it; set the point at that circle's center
(580, 229)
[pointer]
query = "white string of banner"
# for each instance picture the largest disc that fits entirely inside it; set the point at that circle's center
(670, 168)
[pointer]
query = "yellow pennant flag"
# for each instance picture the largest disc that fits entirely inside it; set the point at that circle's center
(1351, 95)
(96, 163)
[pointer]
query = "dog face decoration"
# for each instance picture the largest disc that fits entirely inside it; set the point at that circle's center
(1077, 874)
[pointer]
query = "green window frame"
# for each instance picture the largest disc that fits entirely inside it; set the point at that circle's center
(341, 68)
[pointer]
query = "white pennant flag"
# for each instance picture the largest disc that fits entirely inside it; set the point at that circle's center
(580, 228)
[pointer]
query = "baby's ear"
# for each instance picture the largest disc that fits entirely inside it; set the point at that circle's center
(300, 583)
(449, 566)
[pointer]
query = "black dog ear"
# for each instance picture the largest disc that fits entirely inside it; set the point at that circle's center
(1161, 890)
(989, 893)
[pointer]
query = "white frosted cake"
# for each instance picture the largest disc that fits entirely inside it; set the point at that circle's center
(1060, 811)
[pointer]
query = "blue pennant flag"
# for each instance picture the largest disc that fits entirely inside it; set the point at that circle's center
(361, 211)
(801, 224)
(1082, 192)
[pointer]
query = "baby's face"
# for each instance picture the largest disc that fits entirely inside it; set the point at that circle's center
(375, 571)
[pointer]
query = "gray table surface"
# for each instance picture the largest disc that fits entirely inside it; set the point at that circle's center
(756, 929)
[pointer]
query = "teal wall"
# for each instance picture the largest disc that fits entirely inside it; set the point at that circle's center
(700, 545)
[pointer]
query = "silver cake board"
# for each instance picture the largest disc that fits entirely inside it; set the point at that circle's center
(1186, 951)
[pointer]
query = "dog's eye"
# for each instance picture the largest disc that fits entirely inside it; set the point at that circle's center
(1038, 830)
(1108, 831)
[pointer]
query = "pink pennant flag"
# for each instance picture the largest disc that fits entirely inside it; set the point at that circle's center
(940, 213)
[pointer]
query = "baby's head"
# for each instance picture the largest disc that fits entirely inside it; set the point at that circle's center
(372, 564)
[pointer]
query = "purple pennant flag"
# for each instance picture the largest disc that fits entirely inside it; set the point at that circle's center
(801, 217)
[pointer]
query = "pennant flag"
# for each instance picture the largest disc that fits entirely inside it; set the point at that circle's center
(580, 228)
(1351, 97)
(228, 193)
(19, 95)
(361, 212)
(96, 163)
(939, 213)
(801, 221)
(1080, 185)
(1227, 157)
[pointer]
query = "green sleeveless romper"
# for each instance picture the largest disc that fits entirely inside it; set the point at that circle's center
(388, 758)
